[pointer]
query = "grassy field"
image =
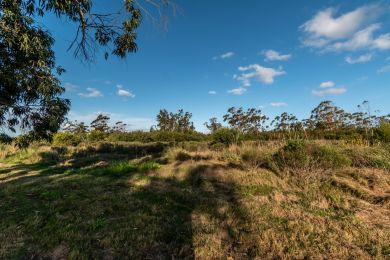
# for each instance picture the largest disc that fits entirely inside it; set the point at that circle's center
(268, 200)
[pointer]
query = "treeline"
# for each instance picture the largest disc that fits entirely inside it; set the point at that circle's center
(326, 121)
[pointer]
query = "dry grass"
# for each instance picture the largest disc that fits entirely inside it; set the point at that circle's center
(201, 204)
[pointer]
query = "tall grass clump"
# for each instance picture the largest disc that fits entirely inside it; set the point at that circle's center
(371, 157)
(302, 156)
(254, 156)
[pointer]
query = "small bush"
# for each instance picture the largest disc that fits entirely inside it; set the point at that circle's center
(224, 136)
(67, 139)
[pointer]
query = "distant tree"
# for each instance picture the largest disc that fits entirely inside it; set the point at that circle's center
(75, 127)
(245, 121)
(326, 116)
(286, 122)
(213, 124)
(119, 127)
(101, 123)
(180, 121)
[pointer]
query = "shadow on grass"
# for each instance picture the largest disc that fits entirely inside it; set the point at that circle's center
(134, 215)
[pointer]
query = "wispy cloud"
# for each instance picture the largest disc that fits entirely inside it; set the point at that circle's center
(278, 104)
(328, 88)
(384, 69)
(69, 87)
(329, 91)
(212, 92)
(350, 31)
(272, 55)
(361, 59)
(237, 91)
(91, 92)
(123, 92)
(327, 84)
(224, 56)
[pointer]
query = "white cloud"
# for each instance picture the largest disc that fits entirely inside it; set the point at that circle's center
(347, 32)
(224, 56)
(237, 91)
(329, 91)
(363, 39)
(384, 69)
(278, 104)
(324, 25)
(91, 92)
(263, 74)
(327, 84)
(107, 82)
(271, 55)
(361, 59)
(212, 92)
(124, 93)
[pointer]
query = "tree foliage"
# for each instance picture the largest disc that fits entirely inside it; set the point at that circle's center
(213, 124)
(251, 120)
(29, 88)
(100, 123)
(171, 122)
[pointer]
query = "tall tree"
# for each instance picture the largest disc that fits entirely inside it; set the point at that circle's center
(245, 121)
(29, 89)
(213, 124)
(327, 116)
(100, 123)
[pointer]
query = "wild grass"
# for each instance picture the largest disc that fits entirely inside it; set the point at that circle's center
(120, 201)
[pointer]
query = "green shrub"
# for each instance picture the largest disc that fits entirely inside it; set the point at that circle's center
(302, 155)
(96, 136)
(384, 131)
(67, 139)
(225, 136)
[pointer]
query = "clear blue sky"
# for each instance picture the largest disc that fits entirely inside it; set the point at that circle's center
(276, 55)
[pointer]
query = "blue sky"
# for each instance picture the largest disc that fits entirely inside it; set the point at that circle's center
(274, 55)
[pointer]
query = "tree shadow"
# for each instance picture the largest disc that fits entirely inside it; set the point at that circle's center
(133, 216)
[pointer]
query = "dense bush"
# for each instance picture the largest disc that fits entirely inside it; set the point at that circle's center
(96, 136)
(156, 136)
(225, 136)
(67, 139)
